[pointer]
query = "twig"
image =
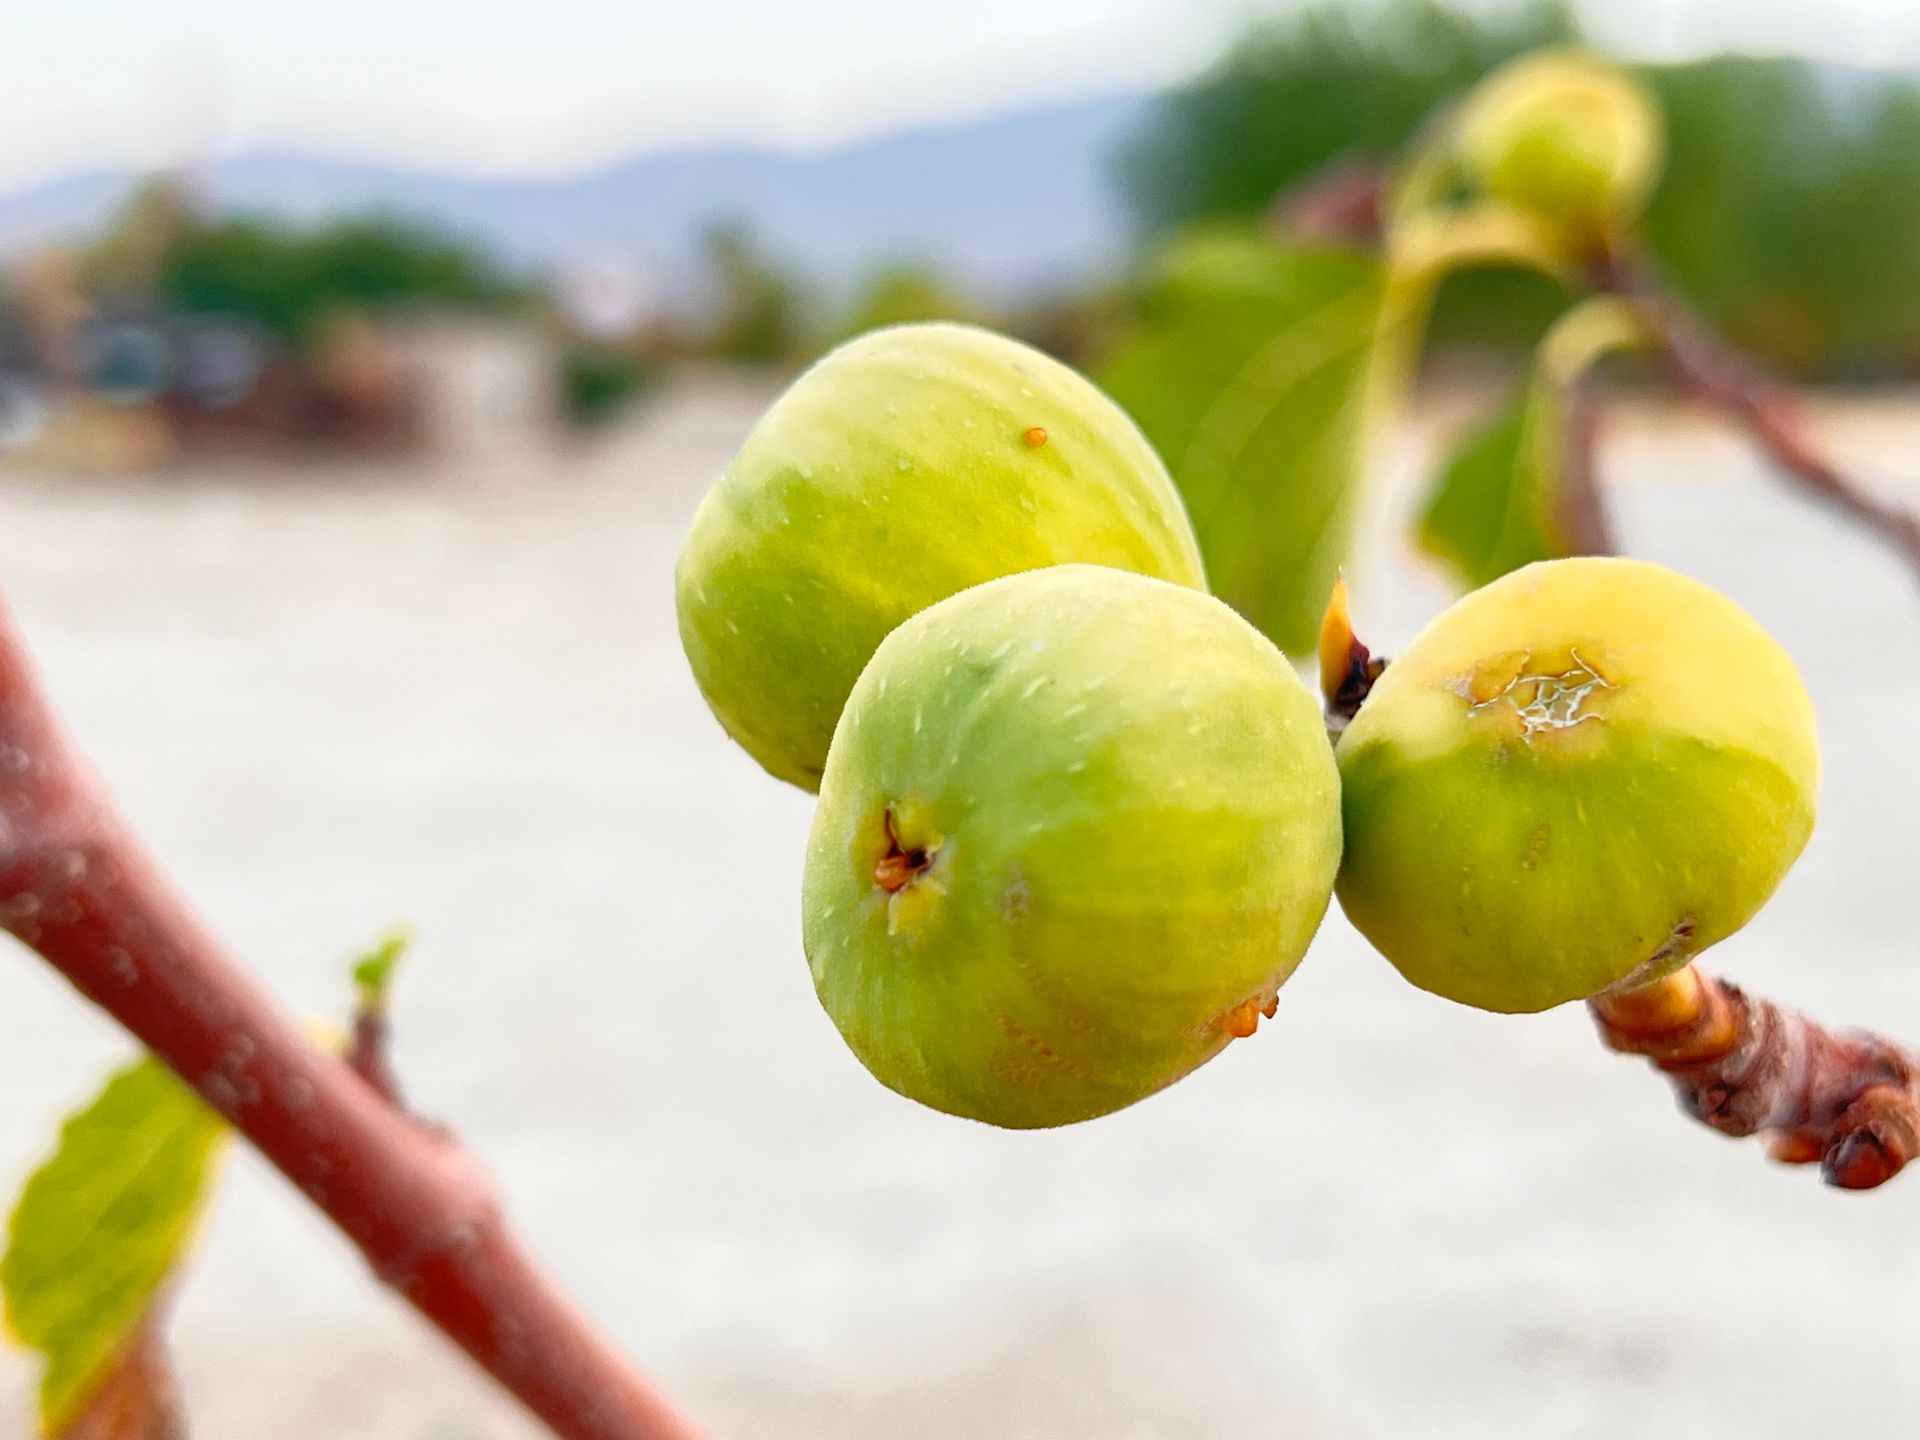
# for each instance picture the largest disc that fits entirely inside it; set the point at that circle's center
(1770, 413)
(1342, 203)
(1849, 1100)
(139, 1400)
(1583, 512)
(368, 1057)
(78, 887)
(369, 1050)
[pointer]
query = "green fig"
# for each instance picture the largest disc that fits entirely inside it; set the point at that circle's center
(1565, 136)
(1076, 828)
(1573, 781)
(906, 465)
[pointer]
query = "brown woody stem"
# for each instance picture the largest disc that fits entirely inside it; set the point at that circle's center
(1583, 509)
(1770, 414)
(1847, 1099)
(138, 1400)
(77, 886)
(369, 1055)
(1342, 204)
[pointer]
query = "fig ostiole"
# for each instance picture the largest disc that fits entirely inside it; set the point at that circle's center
(1571, 782)
(1076, 828)
(906, 465)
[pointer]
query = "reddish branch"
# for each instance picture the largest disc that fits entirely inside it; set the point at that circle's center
(138, 1401)
(1342, 204)
(1583, 511)
(1844, 1098)
(1713, 372)
(368, 1056)
(77, 886)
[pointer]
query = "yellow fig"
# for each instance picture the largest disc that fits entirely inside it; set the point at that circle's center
(1566, 136)
(906, 465)
(1076, 828)
(1571, 782)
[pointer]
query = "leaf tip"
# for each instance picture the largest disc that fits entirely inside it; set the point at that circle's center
(373, 972)
(1347, 667)
(1336, 640)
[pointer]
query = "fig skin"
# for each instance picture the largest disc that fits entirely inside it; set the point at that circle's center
(1566, 136)
(1116, 815)
(1573, 781)
(906, 465)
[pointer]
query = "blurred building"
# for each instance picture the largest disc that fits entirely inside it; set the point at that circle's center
(471, 384)
(125, 387)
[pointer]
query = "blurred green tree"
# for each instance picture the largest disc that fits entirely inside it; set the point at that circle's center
(126, 258)
(599, 380)
(1335, 81)
(1789, 211)
(759, 317)
(900, 292)
(290, 279)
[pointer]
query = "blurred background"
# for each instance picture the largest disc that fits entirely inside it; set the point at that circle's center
(360, 367)
(427, 231)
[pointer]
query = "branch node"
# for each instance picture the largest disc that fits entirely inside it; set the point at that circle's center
(1845, 1098)
(1874, 1138)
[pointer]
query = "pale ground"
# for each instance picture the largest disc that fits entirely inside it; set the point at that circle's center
(337, 700)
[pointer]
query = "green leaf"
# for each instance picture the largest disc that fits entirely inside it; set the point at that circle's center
(1425, 245)
(1257, 371)
(1251, 373)
(102, 1224)
(373, 971)
(1499, 501)
(1494, 507)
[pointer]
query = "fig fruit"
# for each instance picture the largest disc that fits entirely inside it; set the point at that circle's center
(905, 465)
(1076, 828)
(1565, 136)
(1573, 781)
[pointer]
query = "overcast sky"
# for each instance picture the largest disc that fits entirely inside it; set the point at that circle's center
(568, 84)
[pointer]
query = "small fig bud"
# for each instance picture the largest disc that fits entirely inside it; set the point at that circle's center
(908, 464)
(1573, 780)
(1076, 828)
(1565, 136)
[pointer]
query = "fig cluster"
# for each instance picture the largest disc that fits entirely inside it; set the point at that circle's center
(1078, 821)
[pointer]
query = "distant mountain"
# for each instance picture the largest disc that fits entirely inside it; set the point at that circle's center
(1008, 204)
